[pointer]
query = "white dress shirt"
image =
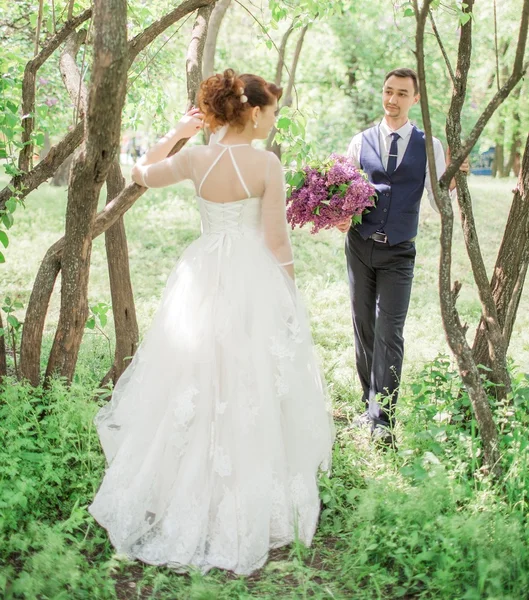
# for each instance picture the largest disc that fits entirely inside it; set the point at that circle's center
(404, 132)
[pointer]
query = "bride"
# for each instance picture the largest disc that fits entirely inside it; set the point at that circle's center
(217, 429)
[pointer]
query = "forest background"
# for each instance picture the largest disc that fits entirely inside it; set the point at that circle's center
(428, 522)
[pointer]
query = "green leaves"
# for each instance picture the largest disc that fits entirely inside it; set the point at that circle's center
(407, 9)
(98, 317)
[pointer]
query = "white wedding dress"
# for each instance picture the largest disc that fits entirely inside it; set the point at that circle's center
(217, 429)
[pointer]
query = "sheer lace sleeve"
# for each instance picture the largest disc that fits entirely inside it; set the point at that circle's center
(274, 219)
(165, 172)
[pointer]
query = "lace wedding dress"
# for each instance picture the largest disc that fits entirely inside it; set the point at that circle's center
(217, 429)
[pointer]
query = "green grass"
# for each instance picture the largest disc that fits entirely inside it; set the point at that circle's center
(424, 523)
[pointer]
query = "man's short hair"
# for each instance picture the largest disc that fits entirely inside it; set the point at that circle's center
(404, 73)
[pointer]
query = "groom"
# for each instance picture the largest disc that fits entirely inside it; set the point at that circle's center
(381, 250)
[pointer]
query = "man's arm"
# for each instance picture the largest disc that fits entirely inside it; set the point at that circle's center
(353, 152)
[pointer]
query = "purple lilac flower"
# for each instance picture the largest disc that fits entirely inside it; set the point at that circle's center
(331, 193)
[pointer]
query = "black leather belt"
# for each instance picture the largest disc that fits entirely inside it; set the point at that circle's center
(379, 237)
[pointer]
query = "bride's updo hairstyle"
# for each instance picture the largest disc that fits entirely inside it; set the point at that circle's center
(229, 98)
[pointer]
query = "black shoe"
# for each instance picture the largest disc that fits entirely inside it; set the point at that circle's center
(362, 421)
(383, 438)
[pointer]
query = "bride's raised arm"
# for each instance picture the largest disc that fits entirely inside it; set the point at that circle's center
(274, 218)
(154, 168)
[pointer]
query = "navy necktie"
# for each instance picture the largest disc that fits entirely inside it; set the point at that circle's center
(393, 150)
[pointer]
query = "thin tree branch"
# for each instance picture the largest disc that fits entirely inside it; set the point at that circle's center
(143, 39)
(281, 58)
(518, 71)
(263, 29)
(29, 85)
(39, 24)
(295, 61)
(496, 47)
(70, 72)
(215, 23)
(443, 50)
(30, 180)
(152, 58)
(53, 16)
(80, 95)
(27, 182)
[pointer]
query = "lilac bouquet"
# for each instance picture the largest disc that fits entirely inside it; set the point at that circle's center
(327, 193)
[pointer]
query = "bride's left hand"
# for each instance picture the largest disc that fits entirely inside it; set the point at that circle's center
(191, 123)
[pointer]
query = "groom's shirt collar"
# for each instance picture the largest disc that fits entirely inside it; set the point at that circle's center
(404, 131)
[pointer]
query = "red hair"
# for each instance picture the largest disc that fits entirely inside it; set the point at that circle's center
(228, 98)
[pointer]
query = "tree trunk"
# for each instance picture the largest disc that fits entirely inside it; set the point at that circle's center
(513, 164)
(514, 153)
(39, 301)
(103, 121)
(31, 346)
(62, 174)
(499, 159)
(493, 330)
(215, 21)
(123, 309)
(511, 265)
(29, 86)
(26, 182)
(3, 361)
(455, 333)
(195, 52)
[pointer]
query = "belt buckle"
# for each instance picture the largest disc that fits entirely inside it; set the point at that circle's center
(377, 238)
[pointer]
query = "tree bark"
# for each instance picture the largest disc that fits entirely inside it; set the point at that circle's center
(34, 321)
(57, 155)
(29, 85)
(123, 309)
(195, 52)
(65, 147)
(70, 72)
(210, 47)
(31, 345)
(453, 328)
(516, 143)
(103, 123)
(281, 56)
(514, 156)
(511, 266)
(3, 361)
(518, 71)
(499, 160)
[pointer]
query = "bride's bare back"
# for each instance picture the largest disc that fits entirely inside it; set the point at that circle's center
(230, 173)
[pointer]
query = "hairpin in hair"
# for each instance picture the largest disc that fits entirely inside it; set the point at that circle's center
(243, 98)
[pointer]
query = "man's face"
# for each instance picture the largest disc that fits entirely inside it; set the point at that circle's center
(398, 96)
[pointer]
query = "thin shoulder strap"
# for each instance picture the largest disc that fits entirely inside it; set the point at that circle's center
(238, 171)
(221, 154)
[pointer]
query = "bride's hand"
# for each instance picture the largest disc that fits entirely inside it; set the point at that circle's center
(191, 123)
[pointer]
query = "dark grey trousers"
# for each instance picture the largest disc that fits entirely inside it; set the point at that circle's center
(380, 280)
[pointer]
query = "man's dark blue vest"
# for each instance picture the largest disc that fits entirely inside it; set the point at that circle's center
(399, 194)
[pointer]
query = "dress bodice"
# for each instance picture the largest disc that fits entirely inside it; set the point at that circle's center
(232, 218)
